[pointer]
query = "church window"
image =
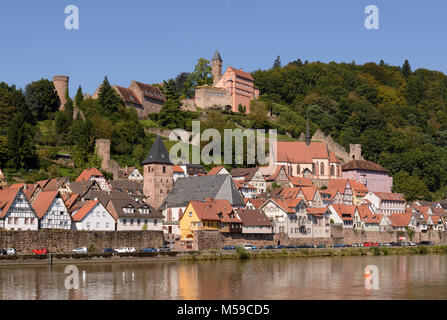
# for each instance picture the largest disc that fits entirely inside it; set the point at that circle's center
(322, 168)
(332, 170)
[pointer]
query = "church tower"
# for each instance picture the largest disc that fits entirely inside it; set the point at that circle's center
(157, 174)
(216, 66)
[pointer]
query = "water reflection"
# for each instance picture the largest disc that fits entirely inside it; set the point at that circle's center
(401, 277)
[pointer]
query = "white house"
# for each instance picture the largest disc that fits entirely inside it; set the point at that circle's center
(252, 176)
(51, 211)
(386, 203)
(16, 213)
(133, 216)
(345, 215)
(92, 216)
(254, 222)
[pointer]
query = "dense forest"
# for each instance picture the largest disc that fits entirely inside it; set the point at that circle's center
(397, 114)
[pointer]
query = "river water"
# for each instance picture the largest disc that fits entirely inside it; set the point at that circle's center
(400, 277)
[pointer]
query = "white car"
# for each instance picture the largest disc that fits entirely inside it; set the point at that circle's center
(81, 250)
(11, 252)
(126, 249)
(247, 246)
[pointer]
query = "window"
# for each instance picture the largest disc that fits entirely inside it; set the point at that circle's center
(107, 225)
(164, 169)
(124, 221)
(155, 222)
(190, 214)
(88, 225)
(322, 168)
(97, 225)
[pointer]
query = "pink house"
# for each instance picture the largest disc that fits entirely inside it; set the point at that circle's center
(373, 176)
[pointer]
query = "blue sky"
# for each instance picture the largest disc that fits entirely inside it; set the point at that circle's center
(150, 41)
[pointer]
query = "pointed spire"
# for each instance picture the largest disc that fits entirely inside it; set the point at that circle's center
(307, 132)
(217, 56)
(158, 153)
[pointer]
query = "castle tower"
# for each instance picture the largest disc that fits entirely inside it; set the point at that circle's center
(216, 66)
(355, 152)
(157, 174)
(103, 150)
(61, 86)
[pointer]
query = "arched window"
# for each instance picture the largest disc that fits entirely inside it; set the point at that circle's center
(322, 168)
(332, 170)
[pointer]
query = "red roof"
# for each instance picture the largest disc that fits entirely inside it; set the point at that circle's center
(43, 202)
(85, 210)
(210, 209)
(333, 158)
(128, 95)
(338, 185)
(358, 187)
(290, 193)
(150, 91)
(214, 171)
(253, 218)
(390, 196)
(275, 174)
(316, 211)
(300, 152)
(7, 197)
(309, 192)
(367, 216)
(257, 203)
(178, 169)
(300, 182)
(364, 165)
(347, 210)
(241, 73)
(400, 219)
(87, 173)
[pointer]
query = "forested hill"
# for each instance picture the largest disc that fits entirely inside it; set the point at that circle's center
(398, 115)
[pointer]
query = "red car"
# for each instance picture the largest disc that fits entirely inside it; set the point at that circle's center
(40, 251)
(370, 244)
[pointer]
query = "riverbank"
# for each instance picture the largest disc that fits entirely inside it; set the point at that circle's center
(240, 254)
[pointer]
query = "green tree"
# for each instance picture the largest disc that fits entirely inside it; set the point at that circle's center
(20, 143)
(201, 75)
(12, 101)
(277, 63)
(412, 187)
(109, 100)
(79, 99)
(170, 115)
(406, 69)
(42, 99)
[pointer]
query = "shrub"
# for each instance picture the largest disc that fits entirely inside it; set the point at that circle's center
(242, 253)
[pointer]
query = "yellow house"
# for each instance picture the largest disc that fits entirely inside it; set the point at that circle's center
(359, 191)
(199, 216)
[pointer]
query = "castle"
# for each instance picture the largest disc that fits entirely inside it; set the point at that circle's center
(230, 90)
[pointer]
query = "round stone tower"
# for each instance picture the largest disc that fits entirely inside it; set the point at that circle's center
(61, 86)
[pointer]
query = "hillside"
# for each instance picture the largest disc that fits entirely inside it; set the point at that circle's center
(399, 116)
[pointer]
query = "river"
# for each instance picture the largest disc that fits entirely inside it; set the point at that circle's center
(400, 277)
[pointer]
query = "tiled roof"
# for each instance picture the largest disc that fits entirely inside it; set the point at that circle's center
(257, 203)
(390, 196)
(333, 158)
(43, 202)
(338, 185)
(128, 95)
(275, 174)
(300, 152)
(344, 209)
(150, 91)
(247, 173)
(400, 219)
(241, 73)
(86, 208)
(83, 187)
(243, 185)
(357, 186)
(215, 170)
(367, 216)
(309, 192)
(7, 197)
(316, 211)
(300, 182)
(253, 218)
(289, 193)
(87, 173)
(364, 165)
(178, 169)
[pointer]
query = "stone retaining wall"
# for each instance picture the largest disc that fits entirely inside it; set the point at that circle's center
(64, 241)
(208, 240)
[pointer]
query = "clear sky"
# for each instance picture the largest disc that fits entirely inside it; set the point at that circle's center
(151, 41)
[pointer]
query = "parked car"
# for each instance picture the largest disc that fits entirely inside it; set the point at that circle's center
(3, 252)
(11, 252)
(339, 246)
(355, 245)
(229, 248)
(290, 246)
(371, 244)
(386, 244)
(280, 246)
(254, 248)
(269, 247)
(80, 250)
(426, 243)
(321, 246)
(395, 244)
(164, 248)
(305, 246)
(247, 246)
(40, 251)
(108, 250)
(411, 244)
(126, 249)
(148, 250)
